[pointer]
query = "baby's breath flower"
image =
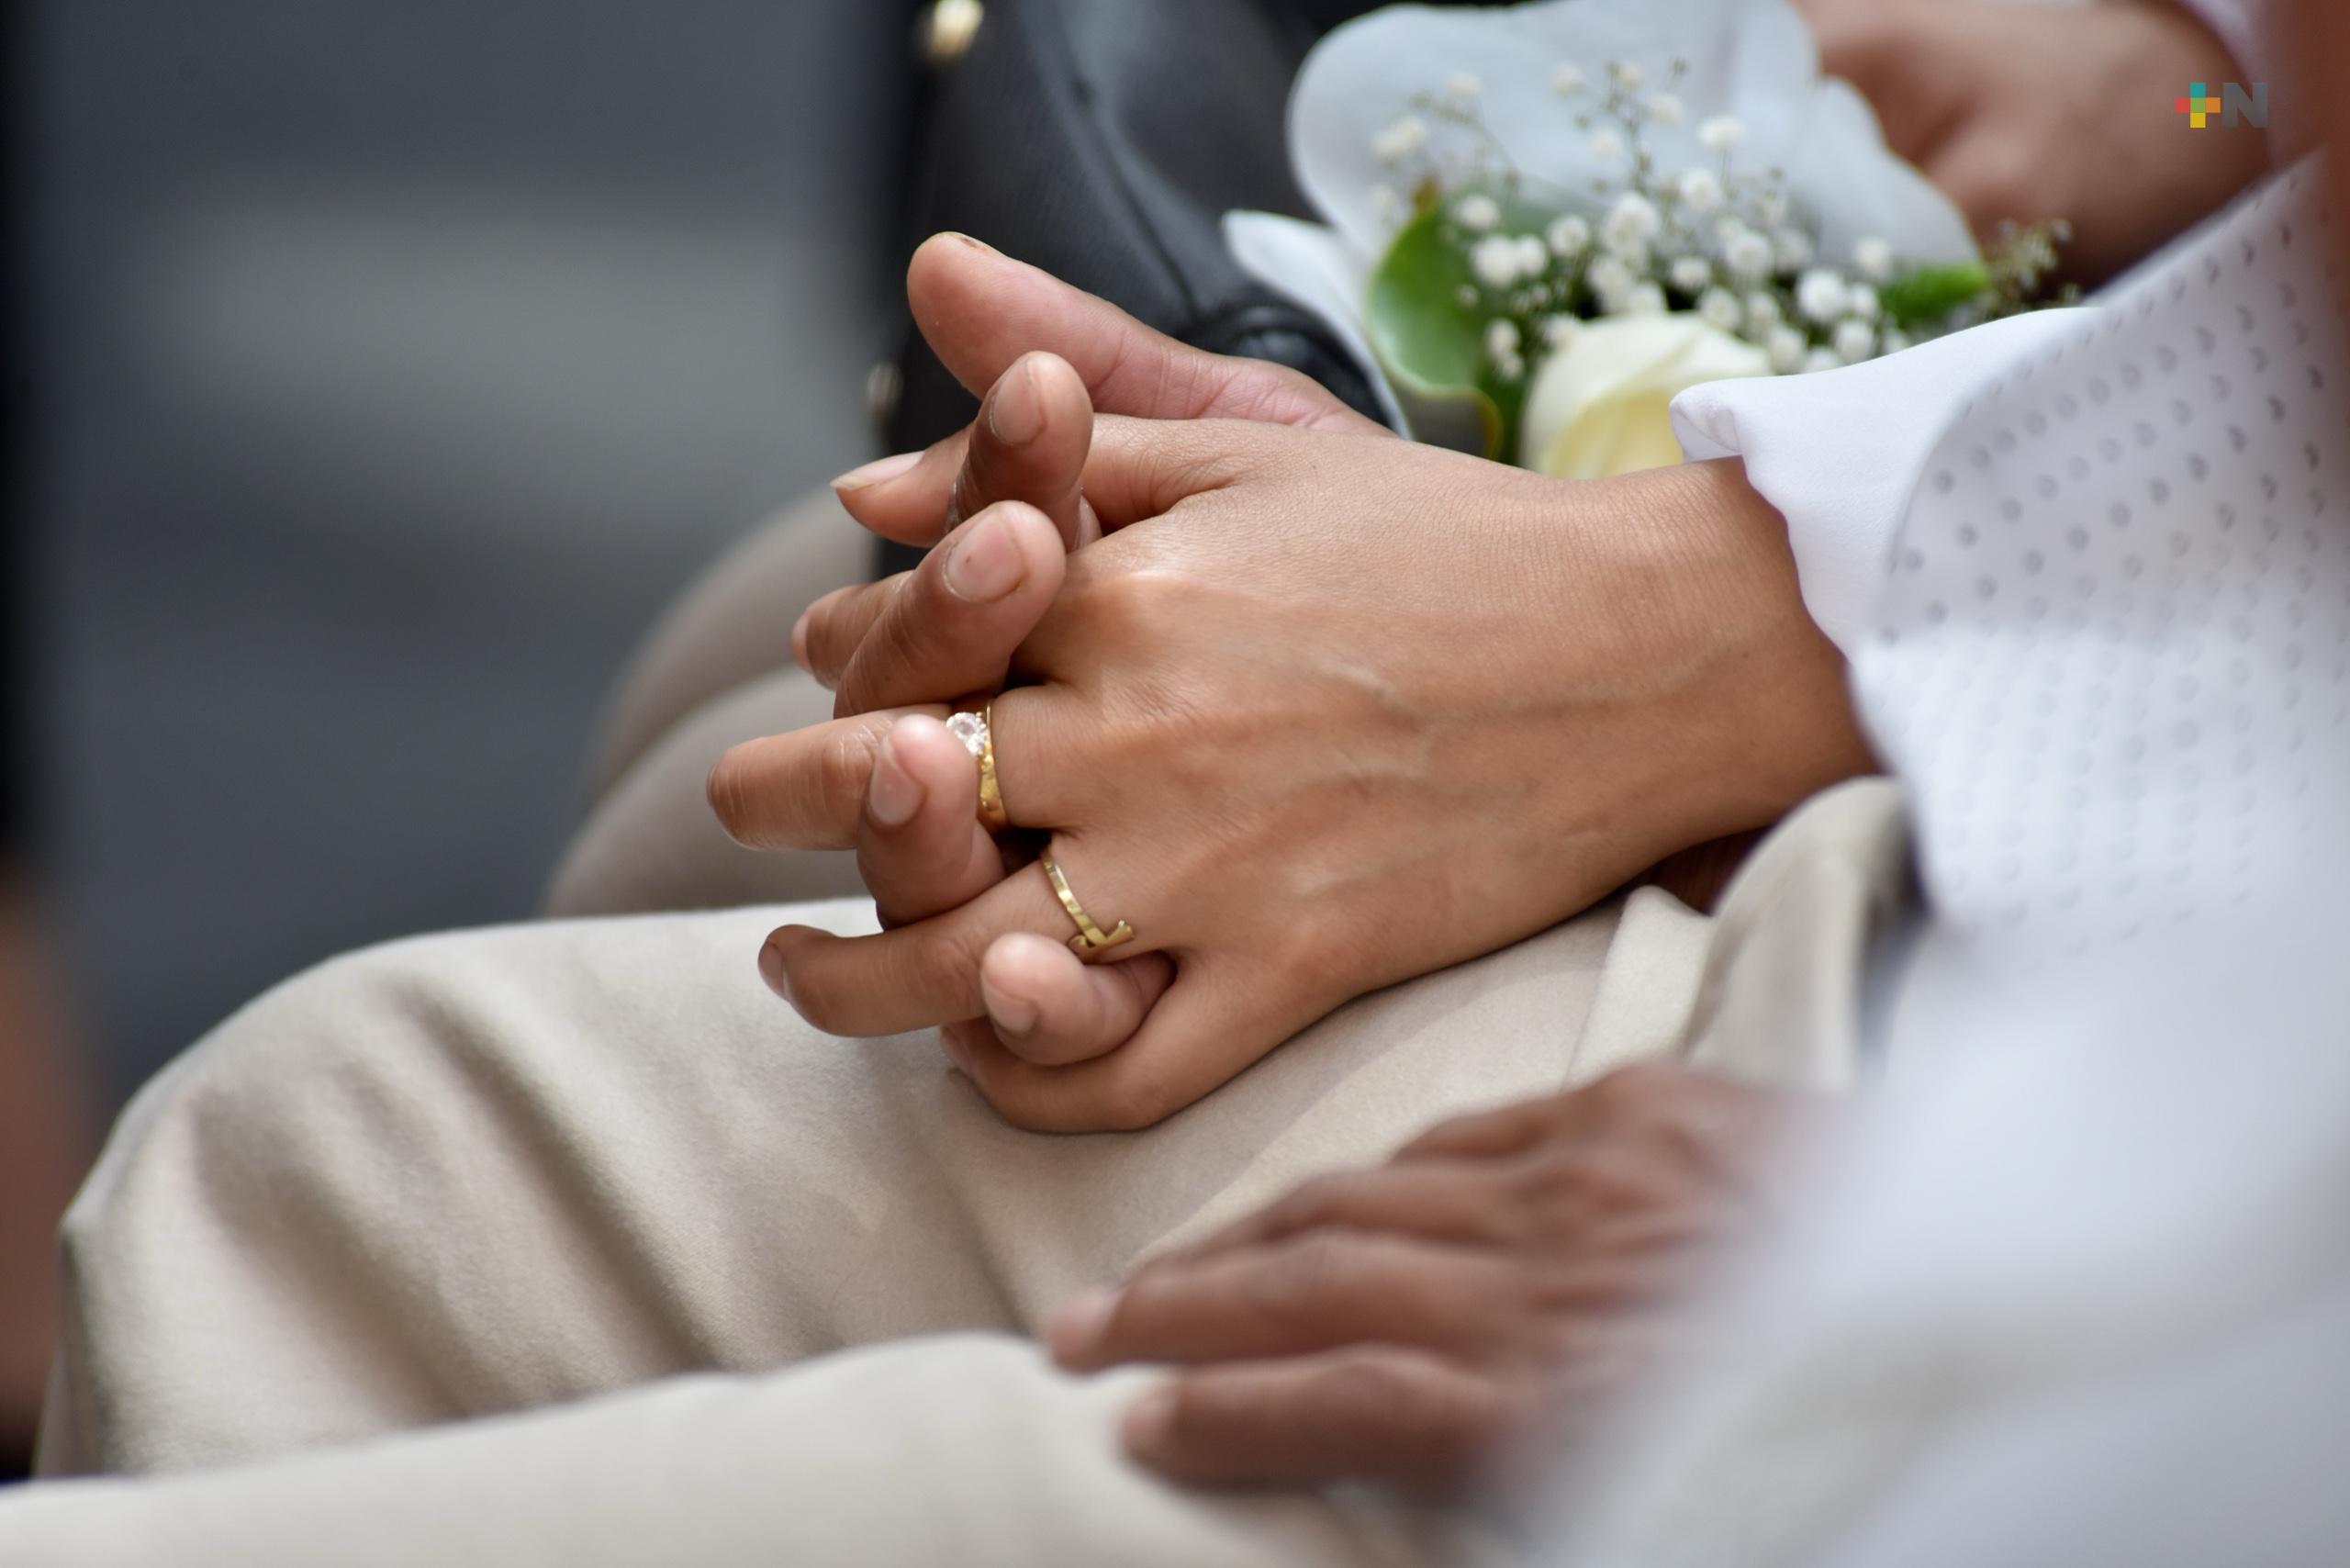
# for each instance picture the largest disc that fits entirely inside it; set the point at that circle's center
(1820, 294)
(1558, 332)
(1610, 279)
(1893, 341)
(1763, 313)
(1510, 367)
(1386, 203)
(1625, 74)
(1605, 145)
(1645, 299)
(1860, 301)
(1467, 295)
(1718, 308)
(1476, 212)
(1700, 191)
(1873, 258)
(1690, 274)
(1465, 88)
(1665, 110)
(1791, 247)
(1855, 340)
(1786, 347)
(1820, 359)
(1568, 236)
(1630, 224)
(1567, 79)
(1501, 338)
(1494, 260)
(1720, 133)
(1771, 209)
(1533, 256)
(1748, 255)
(1401, 140)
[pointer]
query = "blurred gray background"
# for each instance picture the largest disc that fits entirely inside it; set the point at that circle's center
(395, 363)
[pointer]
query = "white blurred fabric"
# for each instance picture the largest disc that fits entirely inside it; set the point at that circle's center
(2082, 1294)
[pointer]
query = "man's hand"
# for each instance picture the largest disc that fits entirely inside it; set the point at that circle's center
(1413, 1323)
(2034, 113)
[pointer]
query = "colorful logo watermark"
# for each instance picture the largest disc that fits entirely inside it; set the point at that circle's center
(2234, 104)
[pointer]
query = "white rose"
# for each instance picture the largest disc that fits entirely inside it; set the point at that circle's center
(1599, 405)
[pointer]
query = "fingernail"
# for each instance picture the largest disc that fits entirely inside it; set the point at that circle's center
(800, 639)
(1014, 1017)
(878, 471)
(1150, 1421)
(986, 564)
(772, 971)
(892, 795)
(1078, 1326)
(975, 244)
(1016, 406)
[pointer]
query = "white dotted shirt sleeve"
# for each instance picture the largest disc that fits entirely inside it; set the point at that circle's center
(1837, 451)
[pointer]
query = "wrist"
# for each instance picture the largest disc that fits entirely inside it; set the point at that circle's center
(1759, 713)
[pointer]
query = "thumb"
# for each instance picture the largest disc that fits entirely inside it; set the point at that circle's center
(1029, 445)
(979, 311)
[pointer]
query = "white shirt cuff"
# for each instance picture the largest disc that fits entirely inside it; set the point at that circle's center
(1838, 451)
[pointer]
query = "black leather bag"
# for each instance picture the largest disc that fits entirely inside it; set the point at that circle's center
(1103, 140)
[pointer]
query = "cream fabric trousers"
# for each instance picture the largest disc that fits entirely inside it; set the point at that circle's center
(566, 1243)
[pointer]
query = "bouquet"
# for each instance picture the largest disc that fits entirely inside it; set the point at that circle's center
(1532, 256)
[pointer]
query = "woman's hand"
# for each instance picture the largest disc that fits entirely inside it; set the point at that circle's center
(2034, 113)
(1341, 710)
(1479, 1293)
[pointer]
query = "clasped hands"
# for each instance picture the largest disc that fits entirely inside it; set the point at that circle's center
(1316, 710)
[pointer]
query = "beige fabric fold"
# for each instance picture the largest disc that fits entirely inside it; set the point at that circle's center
(332, 1254)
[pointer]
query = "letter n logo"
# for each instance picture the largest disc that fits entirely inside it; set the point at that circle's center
(2242, 108)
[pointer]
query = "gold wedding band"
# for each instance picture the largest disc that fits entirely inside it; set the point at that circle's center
(1091, 940)
(976, 732)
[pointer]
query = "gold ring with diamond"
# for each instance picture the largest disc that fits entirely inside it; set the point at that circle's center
(1091, 940)
(976, 732)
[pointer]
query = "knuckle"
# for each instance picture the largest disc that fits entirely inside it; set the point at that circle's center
(1294, 1284)
(1310, 1204)
(841, 769)
(943, 963)
(1638, 1090)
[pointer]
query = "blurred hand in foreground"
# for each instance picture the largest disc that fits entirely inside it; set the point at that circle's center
(1482, 1295)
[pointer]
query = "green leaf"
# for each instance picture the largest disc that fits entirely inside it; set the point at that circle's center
(1428, 340)
(1929, 294)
